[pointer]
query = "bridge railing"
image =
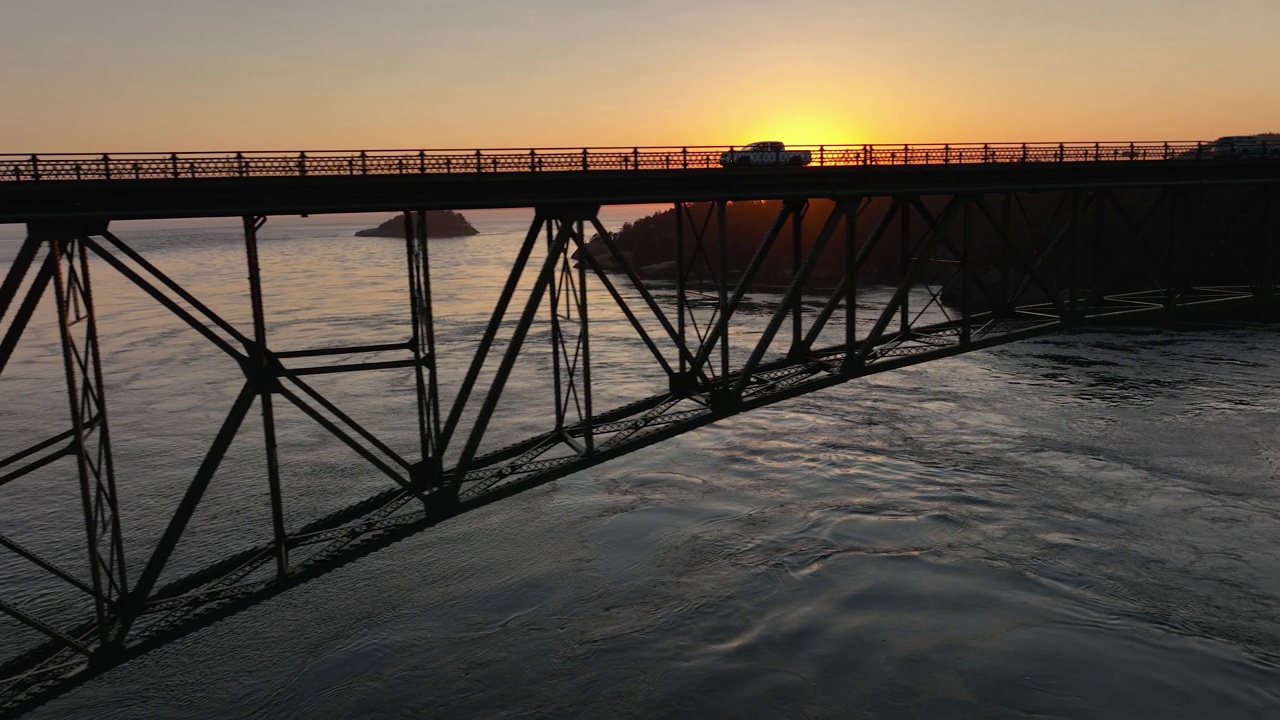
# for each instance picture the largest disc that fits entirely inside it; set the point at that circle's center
(155, 166)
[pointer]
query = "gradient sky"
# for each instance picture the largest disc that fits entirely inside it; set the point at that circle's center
(172, 75)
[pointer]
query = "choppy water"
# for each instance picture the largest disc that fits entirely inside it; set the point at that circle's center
(1077, 526)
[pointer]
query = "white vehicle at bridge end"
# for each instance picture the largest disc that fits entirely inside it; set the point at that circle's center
(765, 153)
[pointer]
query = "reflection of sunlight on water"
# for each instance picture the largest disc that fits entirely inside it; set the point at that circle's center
(1079, 525)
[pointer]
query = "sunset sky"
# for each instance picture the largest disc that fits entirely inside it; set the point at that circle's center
(172, 75)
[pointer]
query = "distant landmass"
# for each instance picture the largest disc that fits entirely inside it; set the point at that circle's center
(440, 224)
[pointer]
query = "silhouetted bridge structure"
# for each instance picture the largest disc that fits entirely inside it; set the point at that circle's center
(1023, 240)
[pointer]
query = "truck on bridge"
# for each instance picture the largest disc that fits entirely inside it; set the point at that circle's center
(770, 152)
(1247, 146)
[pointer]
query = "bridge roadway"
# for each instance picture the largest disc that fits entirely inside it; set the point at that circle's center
(122, 187)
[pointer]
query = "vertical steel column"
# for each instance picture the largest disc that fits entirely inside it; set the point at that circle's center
(797, 259)
(91, 445)
(1073, 257)
(681, 300)
(588, 433)
(1006, 253)
(263, 376)
(1176, 276)
(850, 284)
(966, 268)
(1270, 238)
(904, 264)
(722, 286)
(1099, 245)
(557, 333)
(423, 346)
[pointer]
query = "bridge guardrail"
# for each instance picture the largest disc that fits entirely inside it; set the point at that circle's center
(154, 166)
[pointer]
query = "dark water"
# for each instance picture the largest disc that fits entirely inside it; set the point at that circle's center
(1079, 526)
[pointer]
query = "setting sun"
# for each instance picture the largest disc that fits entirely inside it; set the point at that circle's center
(806, 126)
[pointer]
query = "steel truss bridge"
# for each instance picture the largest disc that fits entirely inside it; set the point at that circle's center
(1023, 240)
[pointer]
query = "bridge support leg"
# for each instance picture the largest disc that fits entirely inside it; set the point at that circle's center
(797, 263)
(850, 286)
(904, 264)
(428, 473)
(1270, 240)
(682, 300)
(91, 441)
(571, 352)
(722, 290)
(264, 378)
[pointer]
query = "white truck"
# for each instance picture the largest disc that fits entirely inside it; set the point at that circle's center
(1247, 146)
(765, 153)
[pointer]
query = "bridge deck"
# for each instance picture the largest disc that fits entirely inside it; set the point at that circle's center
(207, 185)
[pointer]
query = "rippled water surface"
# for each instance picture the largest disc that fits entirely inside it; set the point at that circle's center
(1077, 526)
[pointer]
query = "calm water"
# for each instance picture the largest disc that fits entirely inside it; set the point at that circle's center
(1079, 526)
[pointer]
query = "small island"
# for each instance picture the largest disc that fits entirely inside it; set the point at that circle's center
(440, 224)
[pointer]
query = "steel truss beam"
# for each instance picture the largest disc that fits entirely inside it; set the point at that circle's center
(972, 271)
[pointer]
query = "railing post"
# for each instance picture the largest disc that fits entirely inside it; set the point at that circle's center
(584, 158)
(35, 168)
(106, 166)
(822, 156)
(906, 154)
(479, 166)
(635, 158)
(240, 168)
(1061, 153)
(1024, 152)
(1133, 153)
(946, 154)
(302, 163)
(533, 160)
(1166, 151)
(422, 162)
(364, 163)
(684, 157)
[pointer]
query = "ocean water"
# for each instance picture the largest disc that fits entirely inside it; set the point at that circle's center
(1082, 525)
